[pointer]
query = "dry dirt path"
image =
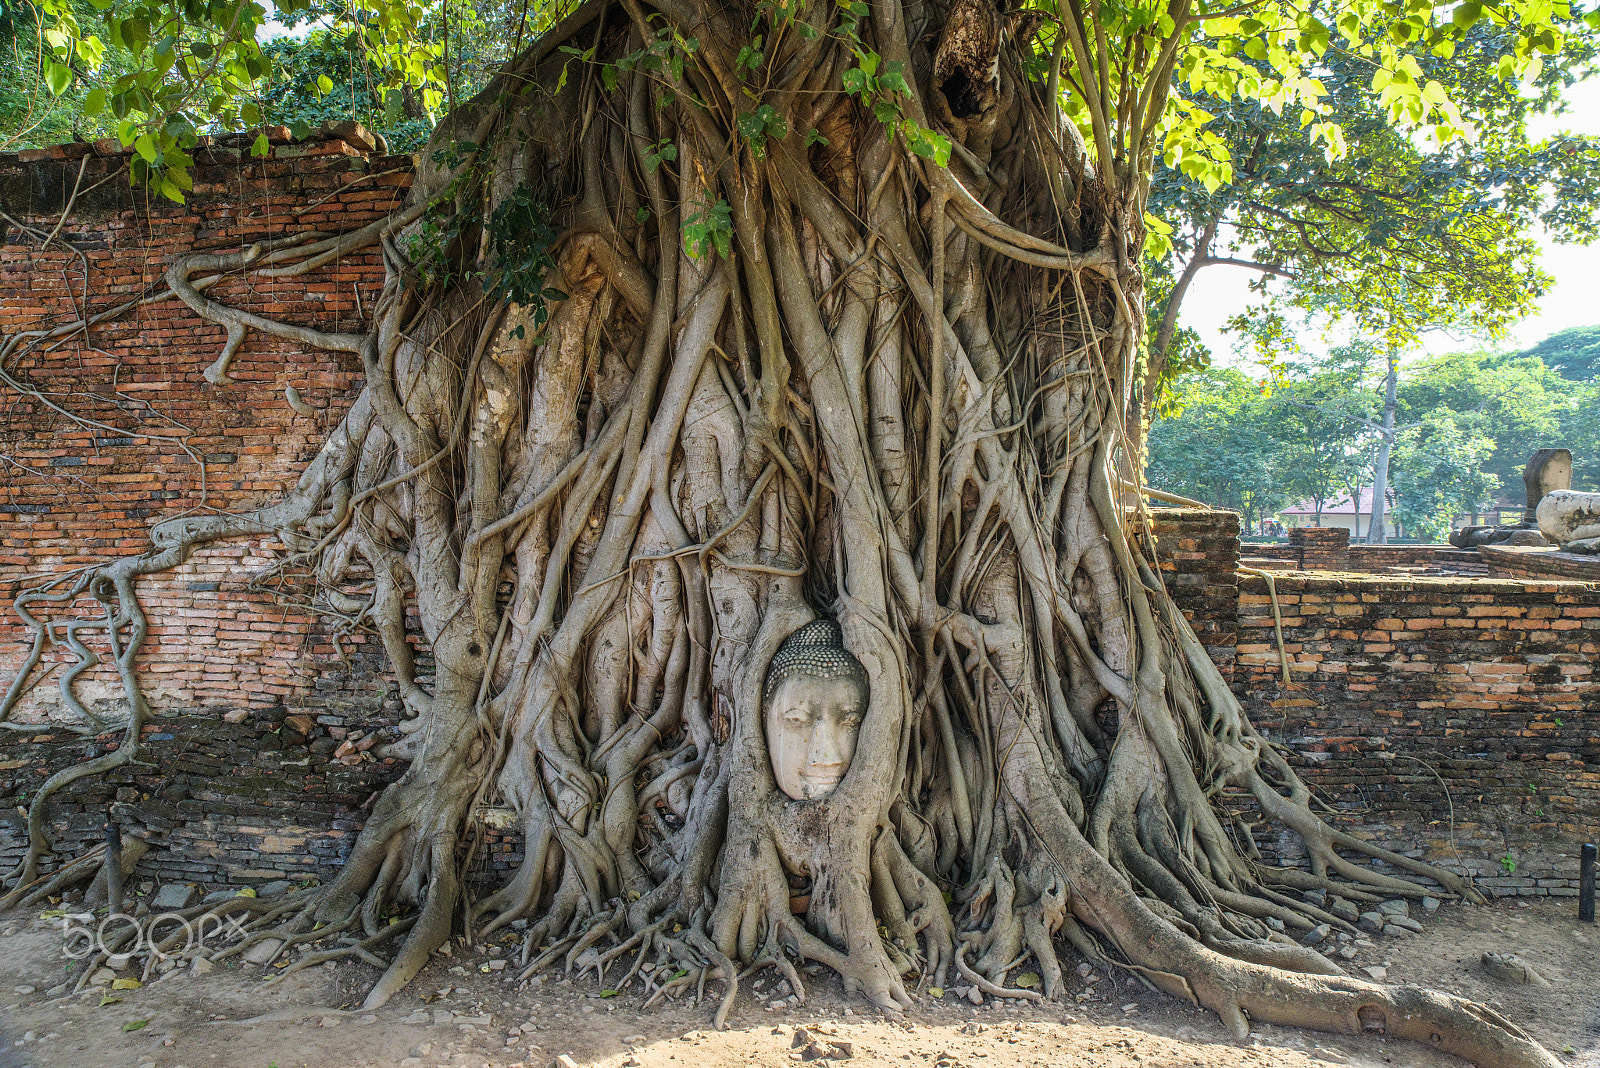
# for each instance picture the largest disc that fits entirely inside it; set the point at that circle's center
(458, 1015)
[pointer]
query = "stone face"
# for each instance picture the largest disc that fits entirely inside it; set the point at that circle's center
(1317, 934)
(814, 700)
(1571, 520)
(1395, 907)
(1371, 921)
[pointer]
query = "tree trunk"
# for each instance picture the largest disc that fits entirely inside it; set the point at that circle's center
(793, 368)
(1377, 526)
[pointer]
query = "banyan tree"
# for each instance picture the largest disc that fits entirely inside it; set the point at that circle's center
(749, 422)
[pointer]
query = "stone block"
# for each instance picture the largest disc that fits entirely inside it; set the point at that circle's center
(174, 896)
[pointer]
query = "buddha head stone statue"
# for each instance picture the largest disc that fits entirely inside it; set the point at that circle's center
(814, 700)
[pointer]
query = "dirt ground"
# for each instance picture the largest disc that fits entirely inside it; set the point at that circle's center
(459, 1014)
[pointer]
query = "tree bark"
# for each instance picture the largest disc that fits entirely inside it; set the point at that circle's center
(761, 379)
(1377, 525)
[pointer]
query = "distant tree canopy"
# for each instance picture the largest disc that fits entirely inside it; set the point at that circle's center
(1469, 421)
(1573, 354)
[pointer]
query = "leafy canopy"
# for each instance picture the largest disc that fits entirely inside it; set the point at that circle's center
(196, 66)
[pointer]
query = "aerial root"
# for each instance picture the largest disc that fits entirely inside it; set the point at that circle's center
(985, 985)
(360, 949)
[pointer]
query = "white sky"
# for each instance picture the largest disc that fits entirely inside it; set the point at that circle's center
(1220, 292)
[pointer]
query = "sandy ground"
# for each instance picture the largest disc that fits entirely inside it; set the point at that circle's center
(457, 1014)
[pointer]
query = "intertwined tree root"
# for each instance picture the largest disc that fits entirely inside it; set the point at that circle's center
(772, 373)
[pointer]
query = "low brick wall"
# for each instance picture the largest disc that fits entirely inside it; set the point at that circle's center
(1413, 697)
(1539, 565)
(1358, 557)
(1321, 548)
(241, 799)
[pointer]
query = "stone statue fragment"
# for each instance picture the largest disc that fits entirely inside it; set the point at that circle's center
(1571, 520)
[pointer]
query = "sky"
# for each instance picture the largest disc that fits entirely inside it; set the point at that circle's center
(1220, 292)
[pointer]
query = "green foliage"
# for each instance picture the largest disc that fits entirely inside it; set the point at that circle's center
(1314, 419)
(1438, 474)
(159, 73)
(325, 78)
(520, 236)
(709, 229)
(758, 125)
(1573, 354)
(1397, 232)
(202, 65)
(1467, 423)
(1220, 447)
(880, 92)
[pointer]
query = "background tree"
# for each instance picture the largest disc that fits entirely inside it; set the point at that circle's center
(708, 319)
(1439, 475)
(1509, 400)
(1218, 446)
(1390, 219)
(1574, 354)
(1318, 411)
(1467, 423)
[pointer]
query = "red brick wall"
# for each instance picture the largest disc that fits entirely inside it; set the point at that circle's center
(1198, 555)
(72, 494)
(1403, 687)
(1406, 688)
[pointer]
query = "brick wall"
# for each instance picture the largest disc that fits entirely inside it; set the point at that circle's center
(1540, 565)
(1404, 688)
(1321, 548)
(1198, 554)
(241, 798)
(1411, 697)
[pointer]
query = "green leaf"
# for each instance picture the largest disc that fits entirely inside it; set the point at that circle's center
(57, 77)
(324, 84)
(94, 103)
(260, 147)
(202, 49)
(1466, 14)
(146, 147)
(134, 1025)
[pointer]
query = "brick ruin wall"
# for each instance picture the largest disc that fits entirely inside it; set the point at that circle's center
(1397, 683)
(1455, 719)
(263, 797)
